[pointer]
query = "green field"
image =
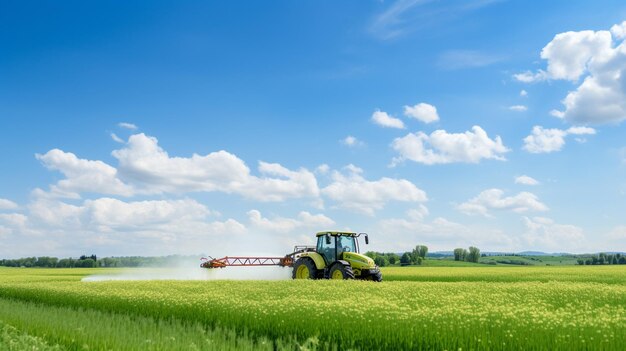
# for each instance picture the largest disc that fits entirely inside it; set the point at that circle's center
(447, 308)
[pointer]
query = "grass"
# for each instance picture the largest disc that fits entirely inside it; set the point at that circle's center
(80, 328)
(507, 308)
(12, 339)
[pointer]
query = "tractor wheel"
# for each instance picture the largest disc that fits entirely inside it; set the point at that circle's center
(304, 268)
(377, 277)
(340, 271)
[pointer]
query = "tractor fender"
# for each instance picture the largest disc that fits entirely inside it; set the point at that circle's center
(345, 263)
(317, 259)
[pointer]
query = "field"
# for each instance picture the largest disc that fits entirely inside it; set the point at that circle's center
(447, 308)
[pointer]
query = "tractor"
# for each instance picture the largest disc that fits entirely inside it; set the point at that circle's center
(336, 256)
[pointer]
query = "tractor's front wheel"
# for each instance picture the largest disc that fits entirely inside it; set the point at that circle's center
(341, 271)
(304, 268)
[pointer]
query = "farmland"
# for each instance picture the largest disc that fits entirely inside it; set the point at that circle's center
(508, 308)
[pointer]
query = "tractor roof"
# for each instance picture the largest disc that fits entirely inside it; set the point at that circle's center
(336, 233)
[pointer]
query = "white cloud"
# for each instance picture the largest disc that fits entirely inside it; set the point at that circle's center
(523, 93)
(351, 141)
(526, 180)
(116, 138)
(146, 165)
(557, 113)
(385, 120)
(423, 112)
(493, 199)
(443, 147)
(322, 169)
(108, 226)
(353, 192)
(549, 140)
(581, 131)
(599, 57)
(619, 30)
(83, 175)
(7, 204)
(518, 108)
(543, 233)
(305, 220)
(529, 77)
(544, 140)
(126, 125)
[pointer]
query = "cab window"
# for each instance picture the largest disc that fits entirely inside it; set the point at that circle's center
(326, 250)
(346, 244)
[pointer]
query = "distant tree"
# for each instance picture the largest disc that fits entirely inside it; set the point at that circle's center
(405, 260)
(86, 263)
(622, 260)
(381, 261)
(588, 262)
(614, 260)
(473, 255)
(594, 260)
(393, 258)
(580, 261)
(458, 254)
(421, 251)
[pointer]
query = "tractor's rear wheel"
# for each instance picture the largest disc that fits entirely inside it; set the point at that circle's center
(341, 271)
(304, 268)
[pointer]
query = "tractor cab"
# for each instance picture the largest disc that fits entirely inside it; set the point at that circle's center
(332, 245)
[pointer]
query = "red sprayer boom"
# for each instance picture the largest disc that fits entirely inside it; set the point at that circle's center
(246, 261)
(286, 261)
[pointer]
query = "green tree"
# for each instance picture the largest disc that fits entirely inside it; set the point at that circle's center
(421, 251)
(405, 260)
(458, 254)
(473, 255)
(381, 261)
(393, 258)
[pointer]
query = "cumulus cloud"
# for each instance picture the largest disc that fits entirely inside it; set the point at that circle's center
(304, 220)
(126, 125)
(144, 163)
(526, 180)
(494, 199)
(523, 93)
(353, 192)
(351, 141)
(550, 140)
(422, 112)
(385, 120)
(442, 147)
(543, 233)
(83, 175)
(599, 58)
(111, 226)
(7, 204)
(518, 108)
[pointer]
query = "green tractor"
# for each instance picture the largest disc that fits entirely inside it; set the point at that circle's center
(336, 256)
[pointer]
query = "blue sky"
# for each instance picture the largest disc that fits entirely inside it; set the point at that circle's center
(447, 123)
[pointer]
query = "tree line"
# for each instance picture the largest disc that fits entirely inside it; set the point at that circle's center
(414, 257)
(93, 261)
(602, 258)
(471, 255)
